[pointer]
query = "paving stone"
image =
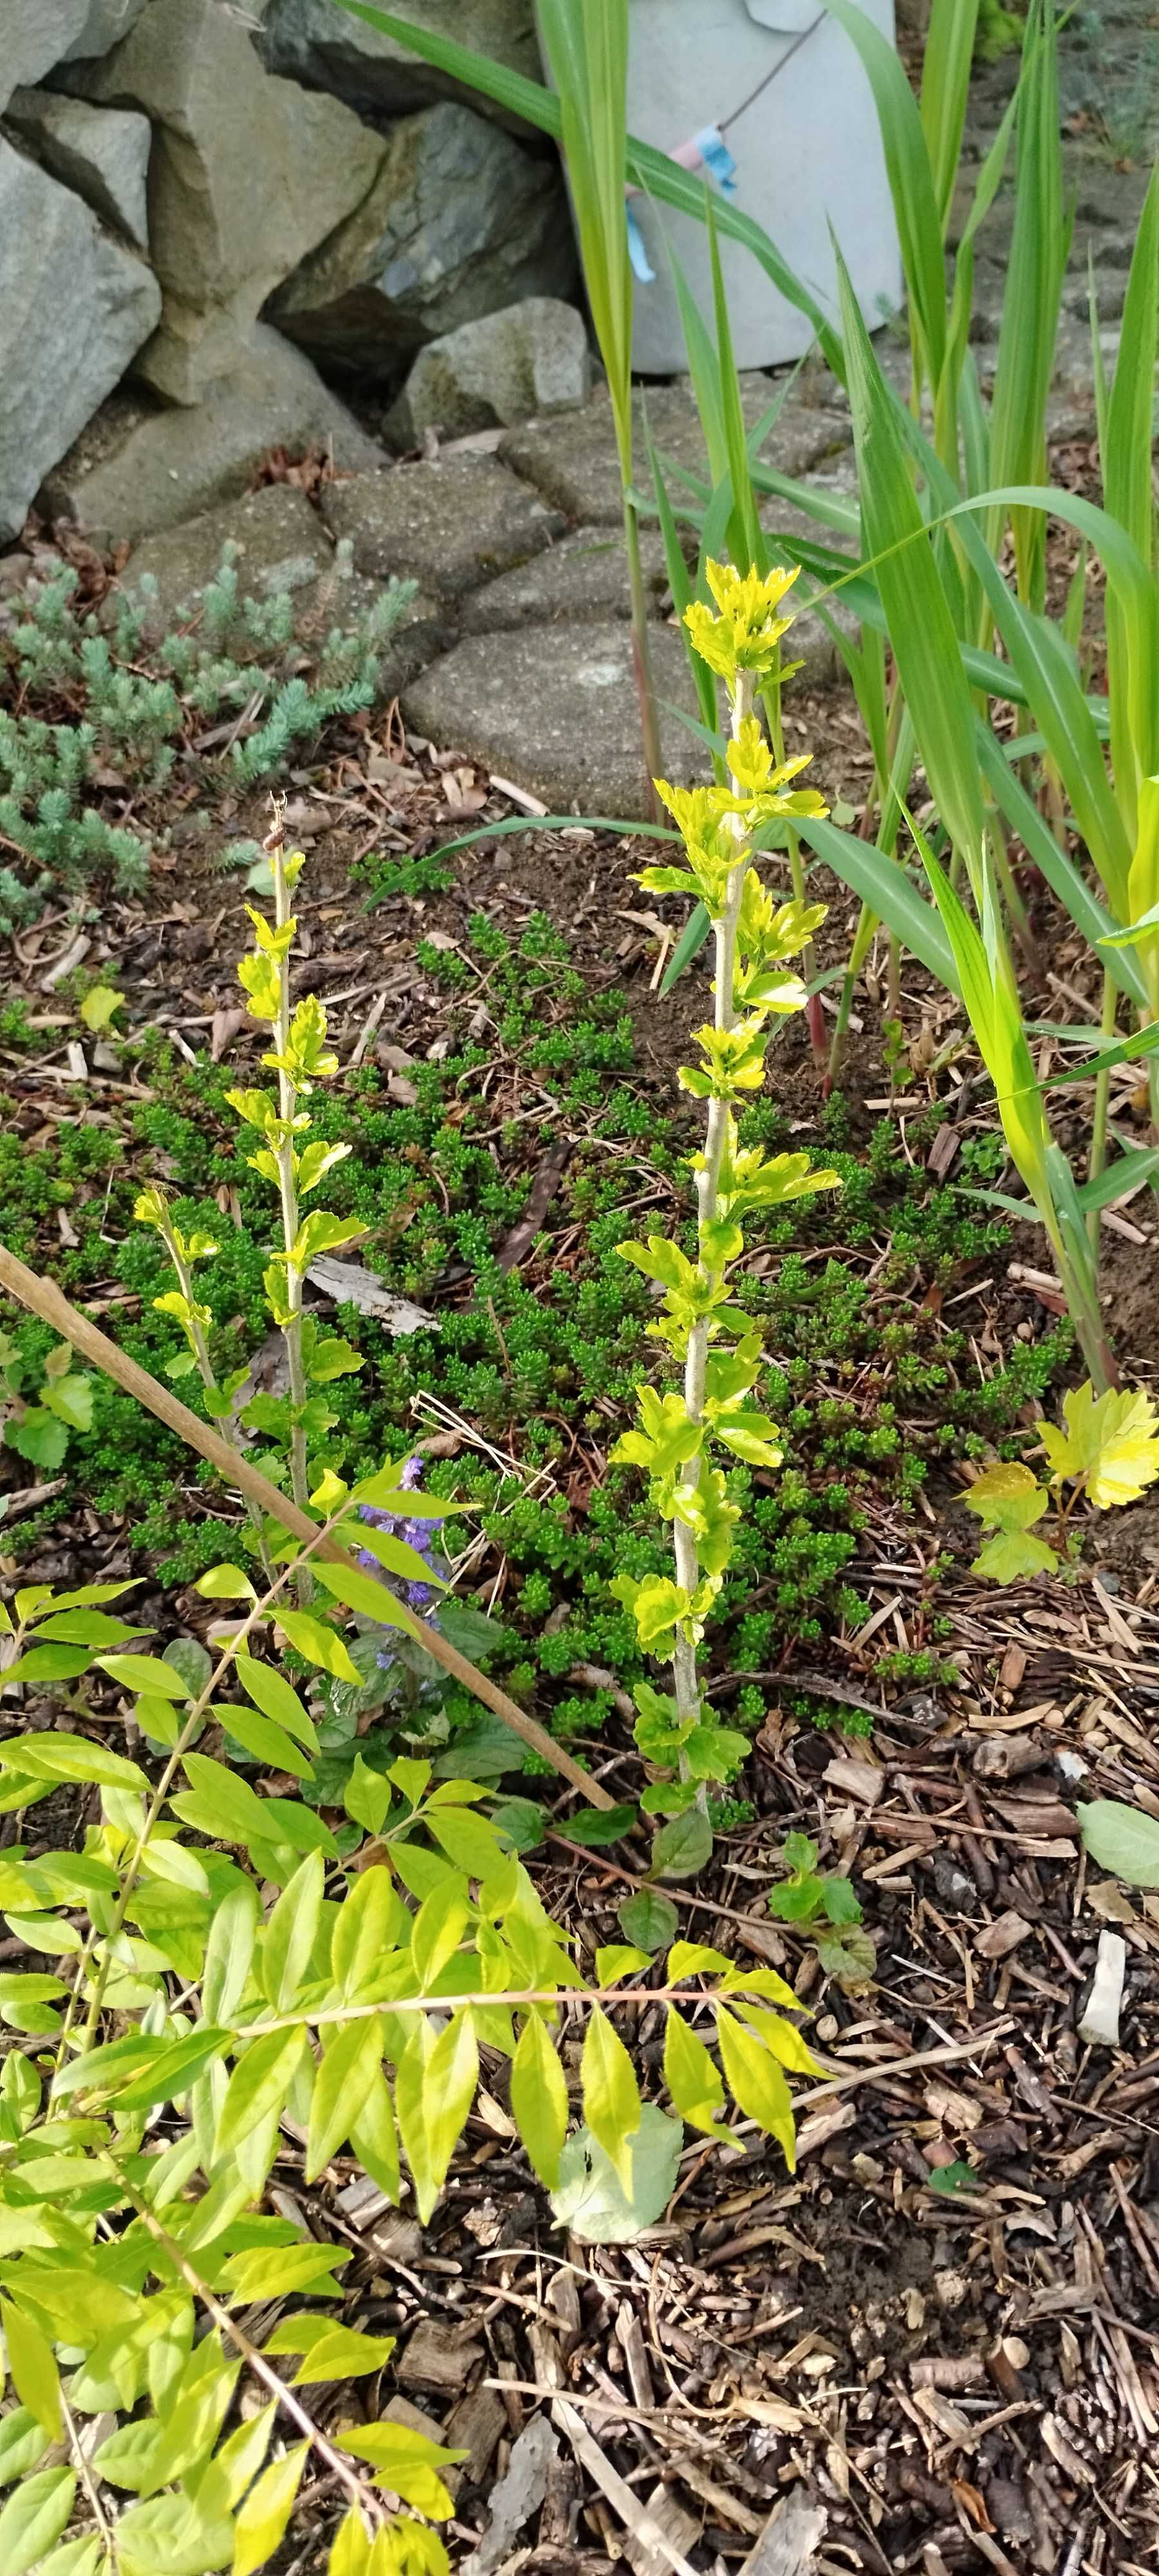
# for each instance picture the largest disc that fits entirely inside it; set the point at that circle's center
(137, 467)
(282, 546)
(446, 524)
(582, 580)
(555, 709)
(573, 461)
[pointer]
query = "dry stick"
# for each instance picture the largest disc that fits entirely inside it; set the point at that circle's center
(45, 1300)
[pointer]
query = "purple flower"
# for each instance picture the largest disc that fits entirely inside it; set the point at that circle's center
(414, 1533)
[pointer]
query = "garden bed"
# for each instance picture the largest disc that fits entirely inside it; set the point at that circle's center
(964, 2367)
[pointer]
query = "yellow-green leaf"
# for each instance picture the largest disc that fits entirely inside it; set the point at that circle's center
(539, 2099)
(319, 1645)
(51, 1756)
(359, 1591)
(374, 2139)
(438, 1927)
(330, 2350)
(99, 1005)
(225, 1583)
(610, 2093)
(146, 1673)
(291, 1933)
(34, 2518)
(33, 2368)
(371, 1923)
(234, 2467)
(353, 2056)
(271, 1692)
(757, 2083)
(617, 1959)
(1006, 1496)
(693, 2078)
(1111, 1440)
(259, 2084)
(405, 2461)
(434, 2088)
(350, 2555)
(264, 2515)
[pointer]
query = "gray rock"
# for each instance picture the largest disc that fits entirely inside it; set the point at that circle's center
(105, 22)
(446, 525)
(582, 580)
(316, 42)
(556, 710)
(460, 221)
(102, 152)
(71, 318)
(574, 462)
(247, 175)
(531, 358)
(137, 467)
(36, 34)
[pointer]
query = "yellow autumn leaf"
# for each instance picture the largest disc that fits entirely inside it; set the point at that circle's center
(1111, 1441)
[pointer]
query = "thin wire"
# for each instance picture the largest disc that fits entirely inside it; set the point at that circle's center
(724, 122)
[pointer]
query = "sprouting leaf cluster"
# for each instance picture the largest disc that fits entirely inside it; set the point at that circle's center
(293, 1162)
(39, 1431)
(826, 1904)
(1107, 1452)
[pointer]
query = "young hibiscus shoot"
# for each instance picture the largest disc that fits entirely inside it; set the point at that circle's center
(707, 1333)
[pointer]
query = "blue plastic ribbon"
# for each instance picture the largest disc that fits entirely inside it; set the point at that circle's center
(636, 251)
(715, 154)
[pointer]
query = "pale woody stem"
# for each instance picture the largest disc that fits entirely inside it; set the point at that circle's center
(229, 1427)
(696, 1364)
(287, 1107)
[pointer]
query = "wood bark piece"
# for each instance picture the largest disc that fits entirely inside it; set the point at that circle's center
(1100, 2021)
(635, 2516)
(791, 2538)
(518, 2495)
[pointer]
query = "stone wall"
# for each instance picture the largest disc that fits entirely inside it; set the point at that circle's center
(225, 196)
